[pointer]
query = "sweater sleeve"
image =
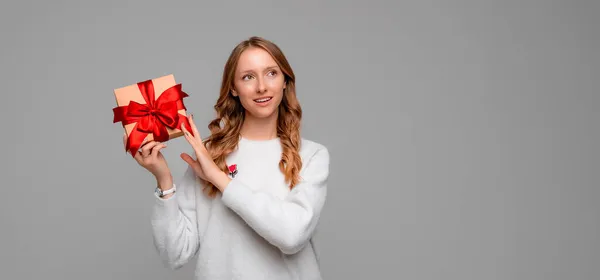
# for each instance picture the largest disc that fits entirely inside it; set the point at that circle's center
(174, 223)
(286, 223)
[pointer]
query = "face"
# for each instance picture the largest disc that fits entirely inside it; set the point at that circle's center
(258, 83)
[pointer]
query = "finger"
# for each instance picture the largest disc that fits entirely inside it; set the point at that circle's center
(191, 162)
(185, 131)
(188, 137)
(138, 157)
(146, 149)
(195, 143)
(144, 142)
(194, 128)
(142, 145)
(189, 133)
(156, 149)
(187, 158)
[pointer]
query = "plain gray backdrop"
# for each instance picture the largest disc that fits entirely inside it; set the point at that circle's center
(463, 134)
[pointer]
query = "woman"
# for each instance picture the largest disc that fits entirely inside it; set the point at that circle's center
(251, 198)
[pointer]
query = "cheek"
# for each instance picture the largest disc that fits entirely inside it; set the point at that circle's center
(276, 86)
(246, 100)
(276, 83)
(246, 89)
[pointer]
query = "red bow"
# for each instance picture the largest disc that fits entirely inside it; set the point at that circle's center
(154, 116)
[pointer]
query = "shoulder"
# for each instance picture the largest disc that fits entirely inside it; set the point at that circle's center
(315, 162)
(311, 150)
(310, 147)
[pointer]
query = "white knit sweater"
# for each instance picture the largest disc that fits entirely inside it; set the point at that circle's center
(257, 228)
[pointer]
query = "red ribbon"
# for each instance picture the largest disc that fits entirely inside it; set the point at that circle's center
(154, 116)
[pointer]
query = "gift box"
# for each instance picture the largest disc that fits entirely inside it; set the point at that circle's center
(151, 110)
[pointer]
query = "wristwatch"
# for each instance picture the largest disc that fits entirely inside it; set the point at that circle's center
(162, 193)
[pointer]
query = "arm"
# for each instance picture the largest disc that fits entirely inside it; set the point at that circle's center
(174, 223)
(289, 223)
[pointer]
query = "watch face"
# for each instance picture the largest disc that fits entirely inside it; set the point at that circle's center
(158, 191)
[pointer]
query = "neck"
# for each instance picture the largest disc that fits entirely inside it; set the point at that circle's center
(259, 128)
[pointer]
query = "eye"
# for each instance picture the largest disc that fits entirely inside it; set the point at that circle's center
(273, 72)
(246, 76)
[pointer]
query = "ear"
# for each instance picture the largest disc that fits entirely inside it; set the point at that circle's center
(284, 85)
(234, 93)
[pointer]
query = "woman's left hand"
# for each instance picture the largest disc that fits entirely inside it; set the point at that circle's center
(204, 166)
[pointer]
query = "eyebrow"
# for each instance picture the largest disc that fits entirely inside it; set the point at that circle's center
(270, 67)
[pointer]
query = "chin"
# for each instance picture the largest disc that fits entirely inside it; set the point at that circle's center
(263, 113)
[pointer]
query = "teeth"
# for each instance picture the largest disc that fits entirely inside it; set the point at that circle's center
(263, 100)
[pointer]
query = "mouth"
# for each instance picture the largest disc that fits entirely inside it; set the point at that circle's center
(263, 100)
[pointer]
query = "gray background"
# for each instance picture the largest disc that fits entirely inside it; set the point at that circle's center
(463, 134)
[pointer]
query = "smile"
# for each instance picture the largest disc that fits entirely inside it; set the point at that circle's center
(263, 100)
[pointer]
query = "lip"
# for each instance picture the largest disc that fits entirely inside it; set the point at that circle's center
(263, 103)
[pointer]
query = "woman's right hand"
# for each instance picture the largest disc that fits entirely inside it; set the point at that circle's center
(150, 158)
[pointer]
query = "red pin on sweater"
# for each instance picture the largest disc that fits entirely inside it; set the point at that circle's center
(233, 170)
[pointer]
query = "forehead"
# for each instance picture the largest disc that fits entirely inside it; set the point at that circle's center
(255, 59)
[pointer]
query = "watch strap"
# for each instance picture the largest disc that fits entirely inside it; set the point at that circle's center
(162, 193)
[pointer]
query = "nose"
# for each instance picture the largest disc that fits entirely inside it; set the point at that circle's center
(260, 87)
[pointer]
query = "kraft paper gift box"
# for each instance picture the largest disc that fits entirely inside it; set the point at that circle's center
(151, 110)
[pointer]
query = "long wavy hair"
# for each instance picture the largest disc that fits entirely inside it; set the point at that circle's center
(225, 128)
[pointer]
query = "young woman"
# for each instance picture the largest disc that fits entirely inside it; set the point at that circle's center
(250, 200)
